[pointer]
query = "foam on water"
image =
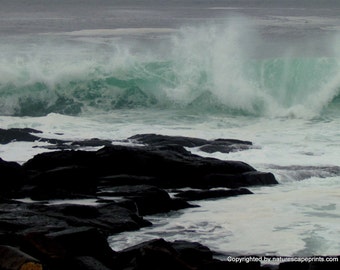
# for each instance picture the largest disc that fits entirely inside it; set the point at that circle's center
(280, 144)
(298, 219)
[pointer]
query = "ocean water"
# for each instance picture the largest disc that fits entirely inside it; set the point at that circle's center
(264, 71)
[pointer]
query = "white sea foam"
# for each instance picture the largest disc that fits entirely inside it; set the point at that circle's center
(298, 219)
(294, 218)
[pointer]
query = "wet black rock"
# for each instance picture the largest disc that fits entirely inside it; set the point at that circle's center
(94, 142)
(62, 182)
(247, 179)
(24, 135)
(148, 199)
(193, 253)
(18, 134)
(110, 218)
(82, 241)
(12, 177)
(81, 174)
(126, 179)
(51, 160)
(14, 258)
(209, 146)
(152, 255)
(128, 182)
(165, 167)
(86, 263)
(157, 140)
(171, 167)
(191, 195)
(66, 249)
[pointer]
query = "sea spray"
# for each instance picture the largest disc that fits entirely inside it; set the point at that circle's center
(210, 62)
(215, 67)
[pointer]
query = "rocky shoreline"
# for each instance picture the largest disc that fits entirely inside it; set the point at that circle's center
(125, 183)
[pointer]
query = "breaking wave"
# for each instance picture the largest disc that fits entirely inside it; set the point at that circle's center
(205, 69)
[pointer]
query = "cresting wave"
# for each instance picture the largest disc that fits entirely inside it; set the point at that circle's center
(206, 69)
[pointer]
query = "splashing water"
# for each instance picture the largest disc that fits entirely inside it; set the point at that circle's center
(210, 68)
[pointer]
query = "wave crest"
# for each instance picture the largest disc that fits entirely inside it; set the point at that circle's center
(211, 68)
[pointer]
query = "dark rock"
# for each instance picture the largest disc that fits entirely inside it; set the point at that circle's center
(58, 159)
(30, 135)
(148, 199)
(172, 168)
(259, 178)
(226, 147)
(24, 135)
(165, 166)
(26, 218)
(191, 195)
(58, 146)
(136, 191)
(44, 248)
(209, 146)
(156, 139)
(86, 263)
(152, 255)
(329, 265)
(192, 253)
(92, 143)
(82, 241)
(9, 239)
(11, 258)
(128, 204)
(80, 211)
(119, 219)
(125, 179)
(231, 141)
(59, 249)
(63, 182)
(108, 218)
(12, 178)
(55, 234)
(246, 179)
(269, 267)
(69, 236)
(26, 130)
(18, 134)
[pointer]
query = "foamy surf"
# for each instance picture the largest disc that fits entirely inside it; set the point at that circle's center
(276, 221)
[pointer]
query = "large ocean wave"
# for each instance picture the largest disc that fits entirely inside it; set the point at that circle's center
(205, 69)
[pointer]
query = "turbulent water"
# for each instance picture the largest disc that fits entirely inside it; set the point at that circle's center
(209, 68)
(263, 71)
